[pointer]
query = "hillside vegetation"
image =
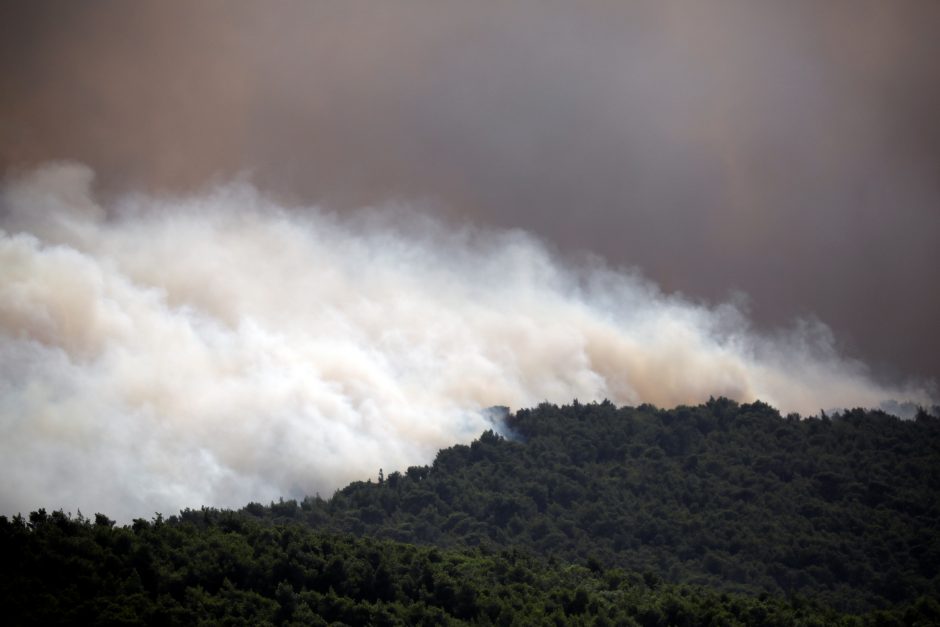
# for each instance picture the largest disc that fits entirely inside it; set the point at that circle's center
(585, 514)
(735, 497)
(212, 568)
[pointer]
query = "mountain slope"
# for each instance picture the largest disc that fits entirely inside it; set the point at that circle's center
(845, 509)
(586, 515)
(210, 568)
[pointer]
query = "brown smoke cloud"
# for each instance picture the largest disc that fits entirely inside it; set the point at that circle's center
(176, 339)
(215, 348)
(790, 150)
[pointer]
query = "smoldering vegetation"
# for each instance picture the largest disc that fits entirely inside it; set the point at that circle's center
(158, 352)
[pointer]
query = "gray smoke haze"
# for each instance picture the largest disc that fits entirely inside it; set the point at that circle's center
(216, 347)
(789, 149)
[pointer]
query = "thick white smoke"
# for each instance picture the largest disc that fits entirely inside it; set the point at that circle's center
(216, 349)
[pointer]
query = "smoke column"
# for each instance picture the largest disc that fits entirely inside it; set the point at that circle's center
(159, 353)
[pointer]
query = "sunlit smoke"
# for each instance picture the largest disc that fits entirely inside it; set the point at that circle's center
(159, 353)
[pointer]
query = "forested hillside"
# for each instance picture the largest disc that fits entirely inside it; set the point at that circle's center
(585, 514)
(845, 509)
(213, 568)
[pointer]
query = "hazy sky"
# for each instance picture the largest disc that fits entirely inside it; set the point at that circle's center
(780, 156)
(790, 150)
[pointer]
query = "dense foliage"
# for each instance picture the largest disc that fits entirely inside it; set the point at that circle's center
(586, 514)
(208, 567)
(738, 498)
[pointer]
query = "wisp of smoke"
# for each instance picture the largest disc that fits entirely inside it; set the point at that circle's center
(217, 348)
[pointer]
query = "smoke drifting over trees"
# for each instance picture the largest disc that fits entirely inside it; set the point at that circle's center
(218, 347)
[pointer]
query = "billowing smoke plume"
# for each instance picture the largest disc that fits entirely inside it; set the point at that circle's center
(788, 149)
(216, 348)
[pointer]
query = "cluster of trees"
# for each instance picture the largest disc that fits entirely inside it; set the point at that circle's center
(584, 514)
(213, 567)
(734, 497)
